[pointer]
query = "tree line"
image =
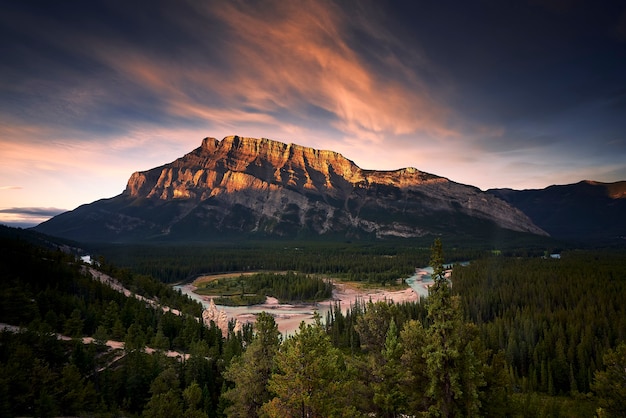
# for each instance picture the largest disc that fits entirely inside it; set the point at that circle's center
(425, 359)
(508, 337)
(382, 263)
(48, 293)
(252, 289)
(396, 370)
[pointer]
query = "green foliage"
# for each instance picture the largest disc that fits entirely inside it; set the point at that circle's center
(389, 376)
(452, 367)
(164, 405)
(49, 376)
(610, 382)
(413, 341)
(553, 318)
(380, 263)
(309, 376)
(252, 289)
(543, 330)
(251, 372)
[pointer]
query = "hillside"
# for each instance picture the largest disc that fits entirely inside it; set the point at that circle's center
(247, 187)
(545, 338)
(585, 211)
(80, 340)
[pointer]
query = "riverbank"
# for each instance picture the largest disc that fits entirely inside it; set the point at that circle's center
(288, 317)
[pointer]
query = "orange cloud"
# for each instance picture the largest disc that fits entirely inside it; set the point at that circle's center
(284, 58)
(300, 53)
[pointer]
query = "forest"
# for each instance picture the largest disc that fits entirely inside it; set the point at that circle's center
(505, 336)
(373, 262)
(288, 287)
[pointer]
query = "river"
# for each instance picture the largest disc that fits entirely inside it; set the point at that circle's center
(288, 317)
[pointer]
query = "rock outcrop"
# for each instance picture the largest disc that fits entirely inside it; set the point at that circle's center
(264, 188)
(219, 317)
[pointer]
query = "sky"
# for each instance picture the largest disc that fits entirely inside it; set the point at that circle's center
(490, 93)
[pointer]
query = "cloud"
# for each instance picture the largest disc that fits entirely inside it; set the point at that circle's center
(267, 65)
(94, 91)
(302, 55)
(41, 212)
(27, 217)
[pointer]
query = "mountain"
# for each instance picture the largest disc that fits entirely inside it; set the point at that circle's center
(587, 210)
(264, 188)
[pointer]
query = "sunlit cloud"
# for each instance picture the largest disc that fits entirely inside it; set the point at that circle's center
(277, 67)
(301, 56)
(85, 102)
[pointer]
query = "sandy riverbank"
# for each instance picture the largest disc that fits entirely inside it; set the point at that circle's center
(288, 317)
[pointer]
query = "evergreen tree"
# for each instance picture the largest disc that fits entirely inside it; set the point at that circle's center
(413, 340)
(193, 398)
(389, 376)
(74, 324)
(163, 405)
(452, 367)
(252, 370)
(160, 341)
(373, 326)
(610, 383)
(309, 379)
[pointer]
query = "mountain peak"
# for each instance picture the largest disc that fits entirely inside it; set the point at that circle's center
(615, 190)
(260, 186)
(210, 144)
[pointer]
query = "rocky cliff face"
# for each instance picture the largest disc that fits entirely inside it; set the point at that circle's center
(268, 188)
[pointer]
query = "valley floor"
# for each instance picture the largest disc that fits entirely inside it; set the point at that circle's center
(288, 316)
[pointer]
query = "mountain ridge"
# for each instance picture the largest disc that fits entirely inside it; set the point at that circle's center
(587, 210)
(268, 188)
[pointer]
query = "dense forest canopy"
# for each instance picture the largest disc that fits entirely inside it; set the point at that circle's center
(511, 334)
(253, 289)
(555, 318)
(378, 263)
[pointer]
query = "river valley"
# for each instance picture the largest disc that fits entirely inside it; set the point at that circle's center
(288, 316)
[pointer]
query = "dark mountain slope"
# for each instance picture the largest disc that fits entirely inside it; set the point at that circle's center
(264, 188)
(583, 211)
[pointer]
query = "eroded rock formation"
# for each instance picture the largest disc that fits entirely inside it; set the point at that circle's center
(219, 317)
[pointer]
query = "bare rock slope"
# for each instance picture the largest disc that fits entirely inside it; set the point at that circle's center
(264, 188)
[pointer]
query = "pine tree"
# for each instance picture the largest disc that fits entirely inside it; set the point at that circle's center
(389, 376)
(309, 379)
(610, 383)
(252, 370)
(413, 340)
(451, 364)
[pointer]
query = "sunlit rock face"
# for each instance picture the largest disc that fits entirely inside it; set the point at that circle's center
(283, 188)
(236, 164)
(266, 188)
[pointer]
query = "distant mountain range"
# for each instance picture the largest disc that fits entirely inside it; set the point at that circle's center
(260, 188)
(587, 210)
